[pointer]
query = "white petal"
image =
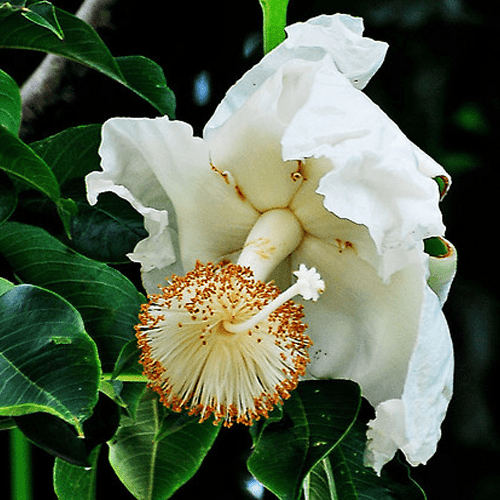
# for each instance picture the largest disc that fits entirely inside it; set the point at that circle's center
(155, 221)
(425, 399)
(248, 144)
(157, 163)
(378, 177)
(338, 37)
(362, 328)
(308, 207)
(386, 434)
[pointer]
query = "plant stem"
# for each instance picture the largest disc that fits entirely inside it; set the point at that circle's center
(274, 12)
(20, 461)
(125, 377)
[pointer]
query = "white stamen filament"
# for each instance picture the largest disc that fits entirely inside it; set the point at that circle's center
(309, 285)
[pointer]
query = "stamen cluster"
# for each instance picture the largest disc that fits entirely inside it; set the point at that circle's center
(195, 363)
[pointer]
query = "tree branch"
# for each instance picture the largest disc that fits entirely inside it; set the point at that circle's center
(39, 90)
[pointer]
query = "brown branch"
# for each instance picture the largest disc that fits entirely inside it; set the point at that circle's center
(40, 89)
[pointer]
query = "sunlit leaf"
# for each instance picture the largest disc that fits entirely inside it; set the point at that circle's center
(44, 14)
(48, 363)
(152, 467)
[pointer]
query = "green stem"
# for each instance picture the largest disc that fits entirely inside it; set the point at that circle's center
(274, 12)
(20, 459)
(125, 377)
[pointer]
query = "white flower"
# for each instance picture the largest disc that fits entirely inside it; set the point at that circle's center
(298, 166)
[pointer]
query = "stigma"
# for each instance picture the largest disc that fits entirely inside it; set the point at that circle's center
(219, 343)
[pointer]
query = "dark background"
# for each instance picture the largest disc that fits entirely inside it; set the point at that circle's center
(438, 83)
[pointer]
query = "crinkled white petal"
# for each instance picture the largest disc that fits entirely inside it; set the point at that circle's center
(413, 422)
(248, 144)
(386, 434)
(377, 177)
(338, 37)
(391, 338)
(155, 221)
(158, 166)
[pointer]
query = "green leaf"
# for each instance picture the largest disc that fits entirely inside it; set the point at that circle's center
(315, 419)
(319, 484)
(20, 161)
(72, 481)
(5, 286)
(60, 439)
(147, 79)
(44, 14)
(82, 44)
(8, 197)
(353, 481)
(71, 153)
(107, 301)
(48, 363)
(153, 468)
(108, 230)
(10, 103)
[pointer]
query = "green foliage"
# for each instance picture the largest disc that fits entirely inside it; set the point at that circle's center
(314, 421)
(153, 455)
(52, 30)
(48, 363)
(10, 103)
(107, 301)
(75, 481)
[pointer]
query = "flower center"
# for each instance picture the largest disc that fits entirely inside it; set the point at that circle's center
(219, 342)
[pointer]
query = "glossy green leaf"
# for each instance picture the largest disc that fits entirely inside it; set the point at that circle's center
(75, 482)
(107, 301)
(44, 14)
(320, 484)
(107, 231)
(21, 162)
(71, 153)
(147, 79)
(152, 467)
(60, 439)
(48, 363)
(5, 286)
(8, 197)
(315, 419)
(349, 479)
(82, 44)
(10, 103)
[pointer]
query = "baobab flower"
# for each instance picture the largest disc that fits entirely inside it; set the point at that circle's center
(296, 167)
